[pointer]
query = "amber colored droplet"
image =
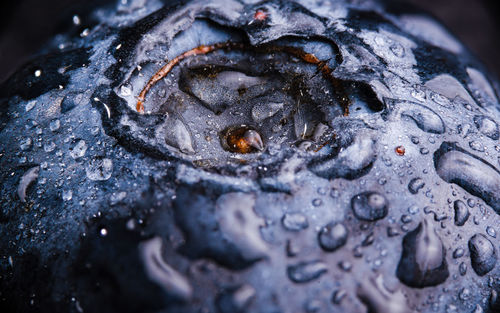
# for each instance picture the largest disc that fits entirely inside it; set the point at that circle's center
(400, 150)
(260, 15)
(243, 140)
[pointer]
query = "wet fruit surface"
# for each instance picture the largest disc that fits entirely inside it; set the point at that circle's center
(242, 156)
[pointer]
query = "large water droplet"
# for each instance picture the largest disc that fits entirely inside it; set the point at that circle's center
(332, 236)
(423, 261)
(49, 146)
(295, 221)
(235, 300)
(55, 125)
(415, 185)
(79, 149)
(473, 174)
(67, 195)
(352, 162)
(481, 84)
(25, 143)
(178, 135)
(461, 212)
(425, 118)
(483, 254)
(172, 282)
(226, 230)
(242, 140)
(265, 110)
(306, 271)
(379, 299)
(450, 87)
(487, 126)
(99, 169)
(26, 180)
(369, 206)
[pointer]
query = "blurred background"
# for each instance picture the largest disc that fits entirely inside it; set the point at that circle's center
(25, 25)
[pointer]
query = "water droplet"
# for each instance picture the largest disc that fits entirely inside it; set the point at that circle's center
(332, 236)
(487, 126)
(306, 271)
(397, 49)
(483, 255)
(317, 202)
(369, 206)
(379, 299)
(471, 202)
(405, 219)
(424, 151)
(346, 266)
(462, 269)
(461, 212)
(54, 125)
(368, 240)
(126, 90)
(351, 162)
(30, 105)
(413, 210)
(265, 110)
(99, 169)
(67, 195)
(425, 118)
(338, 295)
(415, 185)
(178, 135)
(27, 179)
(475, 175)
(418, 93)
(423, 261)
(491, 231)
(79, 149)
(234, 235)
(25, 143)
(242, 140)
(447, 87)
(49, 146)
(159, 271)
(117, 197)
(292, 249)
(295, 221)
(415, 140)
(464, 294)
(458, 253)
(476, 145)
(235, 300)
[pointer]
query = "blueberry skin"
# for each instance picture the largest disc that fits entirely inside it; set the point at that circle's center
(106, 209)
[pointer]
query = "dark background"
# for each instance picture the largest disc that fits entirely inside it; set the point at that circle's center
(26, 24)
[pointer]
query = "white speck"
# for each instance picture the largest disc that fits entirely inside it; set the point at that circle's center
(38, 73)
(103, 232)
(118, 47)
(76, 20)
